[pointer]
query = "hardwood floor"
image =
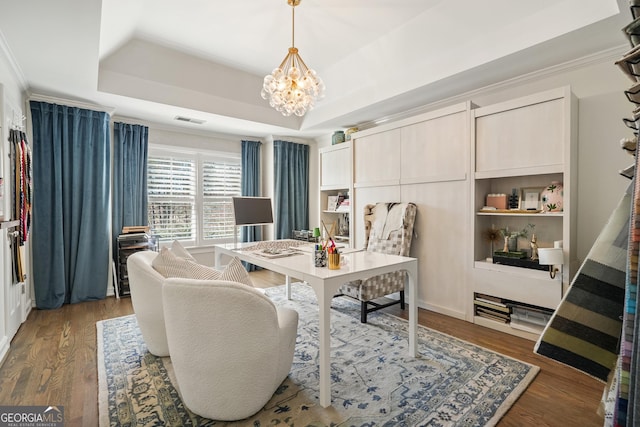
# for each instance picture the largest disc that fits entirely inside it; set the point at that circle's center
(52, 361)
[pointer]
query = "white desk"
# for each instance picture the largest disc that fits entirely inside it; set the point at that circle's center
(325, 283)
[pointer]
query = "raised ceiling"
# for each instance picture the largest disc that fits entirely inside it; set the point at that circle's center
(154, 60)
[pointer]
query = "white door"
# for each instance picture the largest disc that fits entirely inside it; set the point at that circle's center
(12, 298)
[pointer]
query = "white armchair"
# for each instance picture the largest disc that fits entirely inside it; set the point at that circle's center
(231, 347)
(148, 270)
(146, 297)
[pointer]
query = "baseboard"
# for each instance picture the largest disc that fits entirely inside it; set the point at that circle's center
(4, 349)
(28, 306)
(442, 310)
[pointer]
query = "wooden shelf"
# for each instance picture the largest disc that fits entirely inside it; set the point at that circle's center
(506, 212)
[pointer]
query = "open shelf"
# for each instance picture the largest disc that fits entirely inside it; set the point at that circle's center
(520, 213)
(504, 327)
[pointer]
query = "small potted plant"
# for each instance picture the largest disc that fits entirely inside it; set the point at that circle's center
(511, 240)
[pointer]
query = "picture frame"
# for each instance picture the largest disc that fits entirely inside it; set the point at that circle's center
(332, 203)
(530, 198)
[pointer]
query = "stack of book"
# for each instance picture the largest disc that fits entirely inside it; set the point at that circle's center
(491, 307)
(135, 229)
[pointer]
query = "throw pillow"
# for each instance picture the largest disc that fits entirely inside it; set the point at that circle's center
(235, 272)
(170, 265)
(179, 250)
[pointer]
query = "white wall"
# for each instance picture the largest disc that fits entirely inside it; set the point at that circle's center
(195, 140)
(600, 186)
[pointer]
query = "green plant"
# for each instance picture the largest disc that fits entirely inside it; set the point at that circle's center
(504, 232)
(524, 233)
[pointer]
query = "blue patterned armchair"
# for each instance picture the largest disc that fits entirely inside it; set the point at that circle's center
(389, 230)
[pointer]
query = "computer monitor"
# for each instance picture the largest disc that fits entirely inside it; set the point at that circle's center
(252, 210)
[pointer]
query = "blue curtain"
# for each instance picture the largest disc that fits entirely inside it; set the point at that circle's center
(291, 192)
(250, 186)
(130, 147)
(71, 165)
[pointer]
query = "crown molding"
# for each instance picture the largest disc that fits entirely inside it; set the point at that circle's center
(69, 102)
(13, 64)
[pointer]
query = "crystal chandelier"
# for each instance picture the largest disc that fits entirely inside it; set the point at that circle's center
(292, 88)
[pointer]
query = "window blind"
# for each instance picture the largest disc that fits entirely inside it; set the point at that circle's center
(220, 181)
(171, 186)
(189, 196)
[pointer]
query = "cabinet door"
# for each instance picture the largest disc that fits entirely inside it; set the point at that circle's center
(335, 167)
(436, 149)
(441, 245)
(377, 159)
(521, 137)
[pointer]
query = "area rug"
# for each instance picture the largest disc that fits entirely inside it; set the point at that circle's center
(373, 380)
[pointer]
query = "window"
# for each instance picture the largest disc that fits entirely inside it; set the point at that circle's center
(220, 181)
(190, 196)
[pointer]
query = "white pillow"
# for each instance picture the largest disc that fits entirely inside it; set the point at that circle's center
(170, 265)
(179, 250)
(235, 272)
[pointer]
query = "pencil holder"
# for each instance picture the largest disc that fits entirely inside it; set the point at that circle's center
(334, 261)
(320, 258)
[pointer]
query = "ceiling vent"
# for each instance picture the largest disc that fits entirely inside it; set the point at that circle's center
(189, 120)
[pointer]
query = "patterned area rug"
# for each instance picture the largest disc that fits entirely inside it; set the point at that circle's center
(374, 381)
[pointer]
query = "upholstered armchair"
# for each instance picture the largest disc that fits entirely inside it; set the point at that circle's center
(389, 230)
(147, 271)
(146, 297)
(231, 347)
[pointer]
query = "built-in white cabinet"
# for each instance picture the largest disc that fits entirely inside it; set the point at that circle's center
(447, 162)
(336, 189)
(424, 160)
(335, 167)
(377, 157)
(522, 145)
(436, 149)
